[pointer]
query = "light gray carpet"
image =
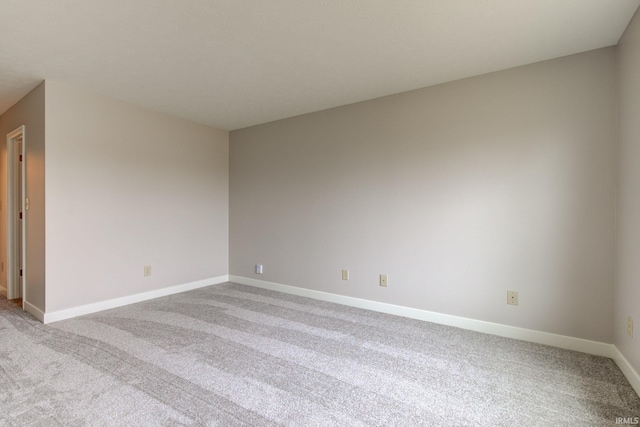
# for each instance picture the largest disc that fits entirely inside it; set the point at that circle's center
(236, 355)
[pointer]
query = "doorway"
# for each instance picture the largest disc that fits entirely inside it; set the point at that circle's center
(17, 205)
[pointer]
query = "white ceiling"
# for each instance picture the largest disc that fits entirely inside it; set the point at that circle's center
(236, 63)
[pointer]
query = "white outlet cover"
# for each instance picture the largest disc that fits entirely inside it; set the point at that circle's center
(384, 280)
(512, 297)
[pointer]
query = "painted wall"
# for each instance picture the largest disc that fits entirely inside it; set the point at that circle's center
(129, 187)
(627, 285)
(458, 192)
(29, 111)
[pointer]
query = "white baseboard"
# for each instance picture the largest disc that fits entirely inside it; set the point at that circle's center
(131, 299)
(626, 368)
(555, 340)
(33, 310)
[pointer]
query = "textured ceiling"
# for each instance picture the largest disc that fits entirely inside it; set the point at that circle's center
(236, 63)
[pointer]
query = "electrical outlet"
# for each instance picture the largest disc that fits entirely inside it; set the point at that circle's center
(258, 268)
(512, 297)
(345, 274)
(147, 270)
(630, 326)
(384, 280)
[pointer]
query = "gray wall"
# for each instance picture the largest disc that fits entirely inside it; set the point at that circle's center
(129, 187)
(458, 192)
(29, 111)
(627, 286)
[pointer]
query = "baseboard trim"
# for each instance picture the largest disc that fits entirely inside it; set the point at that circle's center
(131, 299)
(555, 340)
(3, 291)
(626, 368)
(33, 310)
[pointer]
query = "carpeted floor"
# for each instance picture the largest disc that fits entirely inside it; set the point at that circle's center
(236, 355)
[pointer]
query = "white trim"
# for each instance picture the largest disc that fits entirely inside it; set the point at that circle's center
(33, 310)
(626, 368)
(25, 213)
(56, 316)
(561, 341)
(12, 267)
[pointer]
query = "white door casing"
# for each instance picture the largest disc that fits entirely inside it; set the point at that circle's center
(16, 214)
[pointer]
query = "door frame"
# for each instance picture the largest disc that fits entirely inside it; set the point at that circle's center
(16, 285)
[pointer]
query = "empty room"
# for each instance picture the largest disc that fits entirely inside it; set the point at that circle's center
(328, 213)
